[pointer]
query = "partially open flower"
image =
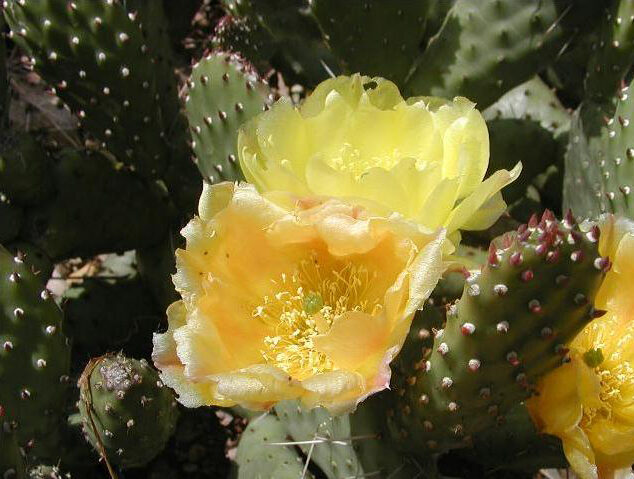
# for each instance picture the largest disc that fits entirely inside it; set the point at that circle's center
(309, 302)
(589, 402)
(357, 137)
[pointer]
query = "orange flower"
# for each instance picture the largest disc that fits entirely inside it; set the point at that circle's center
(308, 301)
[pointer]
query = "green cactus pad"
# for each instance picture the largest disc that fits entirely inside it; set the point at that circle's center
(599, 174)
(127, 413)
(535, 294)
(613, 52)
(156, 266)
(10, 219)
(12, 464)
(337, 460)
(4, 81)
(97, 59)
(262, 454)
(514, 140)
(287, 31)
(34, 357)
(110, 314)
(514, 446)
(535, 101)
(37, 259)
(377, 455)
(486, 48)
(357, 34)
(616, 160)
(245, 36)
(583, 190)
(98, 208)
(24, 169)
(223, 93)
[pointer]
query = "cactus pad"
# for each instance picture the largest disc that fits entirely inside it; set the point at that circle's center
(357, 35)
(34, 356)
(127, 413)
(223, 93)
(97, 59)
(535, 293)
(485, 48)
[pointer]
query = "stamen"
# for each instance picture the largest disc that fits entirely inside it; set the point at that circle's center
(305, 303)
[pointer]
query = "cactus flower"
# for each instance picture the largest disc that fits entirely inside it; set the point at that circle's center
(310, 301)
(355, 136)
(589, 402)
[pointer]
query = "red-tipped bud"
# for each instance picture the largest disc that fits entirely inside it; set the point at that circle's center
(594, 234)
(513, 359)
(576, 256)
(516, 259)
(493, 256)
(533, 221)
(548, 216)
(467, 329)
(552, 256)
(527, 275)
(602, 264)
(534, 306)
(569, 219)
(473, 365)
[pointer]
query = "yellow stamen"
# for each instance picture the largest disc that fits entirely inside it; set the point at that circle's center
(304, 303)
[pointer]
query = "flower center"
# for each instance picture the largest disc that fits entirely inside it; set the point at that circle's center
(614, 380)
(351, 160)
(305, 303)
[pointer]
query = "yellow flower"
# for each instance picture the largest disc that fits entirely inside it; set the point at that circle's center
(589, 402)
(357, 137)
(309, 302)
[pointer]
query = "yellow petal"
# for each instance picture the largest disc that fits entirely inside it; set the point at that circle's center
(353, 337)
(470, 205)
(252, 272)
(579, 454)
(356, 137)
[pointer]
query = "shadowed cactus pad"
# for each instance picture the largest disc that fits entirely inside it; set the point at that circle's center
(127, 413)
(11, 461)
(356, 33)
(97, 58)
(34, 357)
(535, 293)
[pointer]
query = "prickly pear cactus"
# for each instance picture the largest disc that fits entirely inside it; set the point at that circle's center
(127, 414)
(511, 325)
(24, 169)
(97, 59)
(357, 27)
(263, 454)
(319, 431)
(12, 464)
(34, 357)
(599, 172)
(485, 48)
(10, 219)
(90, 191)
(534, 101)
(613, 53)
(223, 92)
